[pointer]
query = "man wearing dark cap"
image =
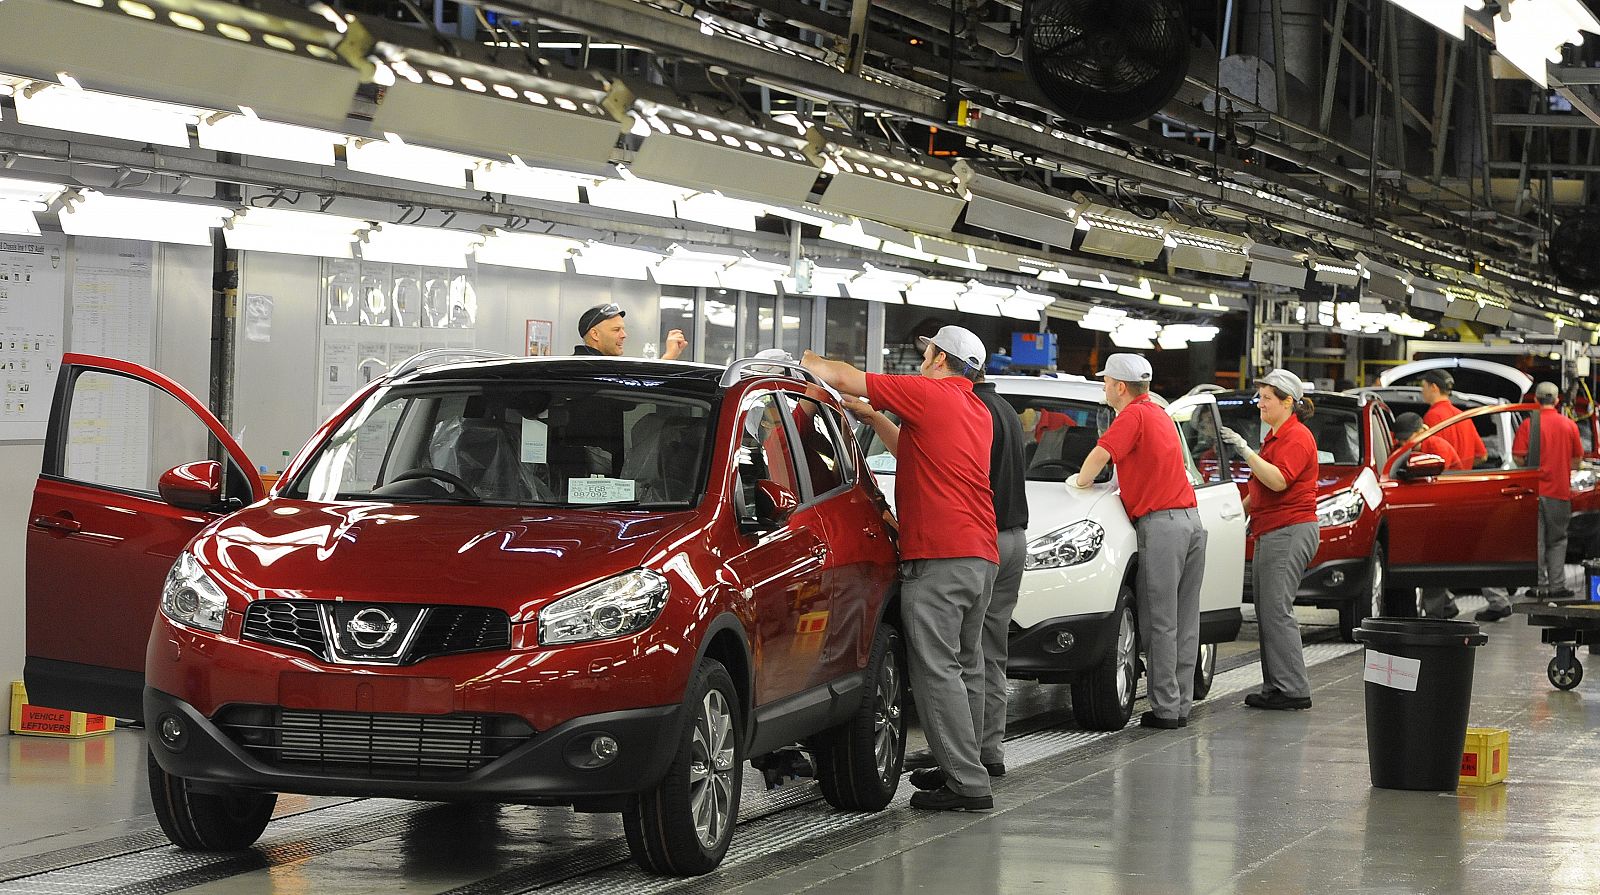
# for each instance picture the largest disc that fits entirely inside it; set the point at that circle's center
(949, 551)
(1437, 386)
(1407, 425)
(603, 334)
(1159, 499)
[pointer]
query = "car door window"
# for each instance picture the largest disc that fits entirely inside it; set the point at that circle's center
(1489, 428)
(764, 452)
(1207, 453)
(879, 460)
(1188, 430)
(823, 458)
(1057, 434)
(123, 433)
(1380, 436)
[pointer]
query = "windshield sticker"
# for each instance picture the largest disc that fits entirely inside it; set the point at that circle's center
(599, 489)
(535, 442)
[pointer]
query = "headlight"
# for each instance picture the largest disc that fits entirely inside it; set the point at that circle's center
(1340, 509)
(1583, 479)
(1077, 543)
(612, 608)
(190, 598)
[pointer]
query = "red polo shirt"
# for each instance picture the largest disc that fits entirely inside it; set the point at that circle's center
(1463, 437)
(1559, 445)
(1143, 442)
(941, 488)
(1294, 452)
(1434, 444)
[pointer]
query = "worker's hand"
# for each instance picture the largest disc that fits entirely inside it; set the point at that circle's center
(860, 408)
(676, 342)
(810, 359)
(1236, 441)
(1072, 482)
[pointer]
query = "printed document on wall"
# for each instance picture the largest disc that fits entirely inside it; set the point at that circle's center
(32, 312)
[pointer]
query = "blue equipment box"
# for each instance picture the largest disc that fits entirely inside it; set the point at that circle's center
(1034, 350)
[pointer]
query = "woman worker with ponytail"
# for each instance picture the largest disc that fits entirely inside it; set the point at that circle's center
(1283, 522)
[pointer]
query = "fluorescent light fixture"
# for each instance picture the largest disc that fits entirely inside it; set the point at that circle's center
(1130, 340)
(292, 232)
(1024, 305)
(529, 251)
(1207, 251)
(1103, 319)
(637, 196)
(1335, 272)
(88, 212)
(880, 284)
(452, 103)
(931, 293)
(1134, 333)
(1463, 305)
(950, 254)
(427, 246)
(684, 266)
(212, 55)
(249, 135)
(18, 218)
(817, 279)
(865, 234)
(104, 114)
(1013, 209)
(912, 250)
(1140, 290)
(892, 190)
(1171, 340)
(754, 275)
(1448, 16)
(1383, 281)
(713, 155)
(1408, 326)
(980, 298)
(805, 214)
(529, 181)
(20, 200)
(394, 158)
(721, 211)
(1529, 34)
(1058, 276)
(598, 259)
(1277, 267)
(1494, 315)
(1118, 234)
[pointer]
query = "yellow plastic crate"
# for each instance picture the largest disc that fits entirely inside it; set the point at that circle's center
(1485, 756)
(38, 721)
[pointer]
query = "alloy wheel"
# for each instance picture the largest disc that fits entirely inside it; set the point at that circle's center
(711, 769)
(1127, 677)
(887, 723)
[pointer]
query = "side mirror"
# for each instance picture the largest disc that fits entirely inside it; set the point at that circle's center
(192, 486)
(774, 503)
(1421, 466)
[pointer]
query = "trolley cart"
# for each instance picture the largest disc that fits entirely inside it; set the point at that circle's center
(1568, 625)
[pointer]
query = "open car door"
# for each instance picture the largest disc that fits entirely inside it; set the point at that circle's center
(134, 466)
(1466, 527)
(1221, 512)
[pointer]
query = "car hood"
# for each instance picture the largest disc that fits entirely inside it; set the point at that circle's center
(514, 558)
(1051, 505)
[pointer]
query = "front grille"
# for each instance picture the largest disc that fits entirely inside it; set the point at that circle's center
(442, 630)
(296, 623)
(394, 747)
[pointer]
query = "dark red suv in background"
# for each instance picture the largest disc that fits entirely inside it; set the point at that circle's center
(601, 583)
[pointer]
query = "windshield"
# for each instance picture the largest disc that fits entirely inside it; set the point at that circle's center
(1337, 429)
(566, 444)
(1057, 436)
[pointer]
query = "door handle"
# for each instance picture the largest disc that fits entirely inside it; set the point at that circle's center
(1232, 514)
(64, 524)
(820, 551)
(1516, 489)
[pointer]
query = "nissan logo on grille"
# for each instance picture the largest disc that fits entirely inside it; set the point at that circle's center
(371, 628)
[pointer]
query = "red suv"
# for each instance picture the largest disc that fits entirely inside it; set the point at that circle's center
(601, 583)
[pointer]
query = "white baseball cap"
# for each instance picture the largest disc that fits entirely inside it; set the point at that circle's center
(1127, 368)
(958, 342)
(1285, 382)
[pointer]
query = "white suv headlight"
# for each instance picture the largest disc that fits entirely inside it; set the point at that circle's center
(1069, 546)
(1339, 509)
(1583, 479)
(190, 598)
(616, 606)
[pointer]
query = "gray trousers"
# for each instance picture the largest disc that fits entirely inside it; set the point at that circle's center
(1281, 558)
(1172, 566)
(1554, 516)
(997, 642)
(942, 604)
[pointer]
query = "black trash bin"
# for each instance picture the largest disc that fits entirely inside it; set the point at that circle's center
(1419, 690)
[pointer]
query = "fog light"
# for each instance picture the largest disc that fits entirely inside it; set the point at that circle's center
(1062, 642)
(1335, 578)
(586, 753)
(173, 734)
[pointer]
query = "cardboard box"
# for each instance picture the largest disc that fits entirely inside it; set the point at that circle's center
(35, 720)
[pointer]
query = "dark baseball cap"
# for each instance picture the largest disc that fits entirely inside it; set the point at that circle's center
(598, 315)
(1406, 425)
(1439, 378)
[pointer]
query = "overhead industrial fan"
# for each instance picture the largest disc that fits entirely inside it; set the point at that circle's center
(1103, 62)
(1572, 251)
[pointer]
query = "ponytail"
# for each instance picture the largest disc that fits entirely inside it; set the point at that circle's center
(1305, 408)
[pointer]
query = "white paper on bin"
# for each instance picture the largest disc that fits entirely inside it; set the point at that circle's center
(1397, 672)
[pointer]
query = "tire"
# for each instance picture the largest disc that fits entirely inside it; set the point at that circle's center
(1102, 698)
(1205, 671)
(207, 821)
(859, 761)
(1565, 671)
(1373, 601)
(683, 826)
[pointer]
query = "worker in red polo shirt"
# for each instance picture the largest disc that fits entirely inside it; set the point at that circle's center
(1155, 489)
(1406, 427)
(949, 550)
(1560, 452)
(1437, 385)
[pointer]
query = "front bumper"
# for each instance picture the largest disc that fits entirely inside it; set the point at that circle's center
(537, 771)
(1327, 585)
(1036, 653)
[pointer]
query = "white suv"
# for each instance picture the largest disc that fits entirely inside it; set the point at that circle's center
(1074, 621)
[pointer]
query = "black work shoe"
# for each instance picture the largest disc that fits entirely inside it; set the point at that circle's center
(1151, 719)
(919, 760)
(1447, 612)
(1493, 613)
(1276, 700)
(944, 799)
(929, 778)
(995, 768)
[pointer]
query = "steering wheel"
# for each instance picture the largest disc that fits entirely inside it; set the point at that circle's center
(449, 478)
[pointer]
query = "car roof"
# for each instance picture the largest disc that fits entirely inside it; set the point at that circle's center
(1072, 388)
(1320, 398)
(1522, 382)
(697, 377)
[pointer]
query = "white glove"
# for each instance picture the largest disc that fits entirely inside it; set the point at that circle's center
(1236, 441)
(1072, 482)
